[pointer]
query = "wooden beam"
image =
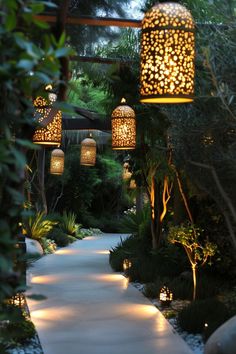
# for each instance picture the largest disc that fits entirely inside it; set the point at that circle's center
(93, 21)
(87, 59)
(85, 124)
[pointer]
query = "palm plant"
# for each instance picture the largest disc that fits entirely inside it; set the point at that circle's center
(68, 223)
(38, 226)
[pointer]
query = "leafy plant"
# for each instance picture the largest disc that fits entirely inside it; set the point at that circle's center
(193, 317)
(38, 226)
(59, 237)
(198, 252)
(68, 223)
(49, 246)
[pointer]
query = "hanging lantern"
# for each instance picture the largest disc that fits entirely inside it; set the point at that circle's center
(132, 184)
(57, 162)
(126, 172)
(88, 152)
(167, 55)
(50, 120)
(123, 126)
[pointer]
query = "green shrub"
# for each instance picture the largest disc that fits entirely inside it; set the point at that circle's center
(193, 317)
(38, 226)
(49, 246)
(68, 223)
(18, 332)
(59, 237)
(127, 248)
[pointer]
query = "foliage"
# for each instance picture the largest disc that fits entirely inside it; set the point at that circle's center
(68, 223)
(26, 67)
(198, 252)
(49, 246)
(193, 317)
(38, 226)
(59, 237)
(138, 222)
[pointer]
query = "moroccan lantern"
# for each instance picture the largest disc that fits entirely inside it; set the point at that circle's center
(126, 172)
(123, 126)
(166, 296)
(88, 152)
(57, 162)
(167, 55)
(126, 264)
(50, 120)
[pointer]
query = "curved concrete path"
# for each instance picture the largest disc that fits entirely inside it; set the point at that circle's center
(91, 310)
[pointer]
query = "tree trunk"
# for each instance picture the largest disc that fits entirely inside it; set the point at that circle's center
(156, 224)
(194, 271)
(41, 172)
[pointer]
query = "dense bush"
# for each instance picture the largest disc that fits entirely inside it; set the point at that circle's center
(193, 317)
(60, 237)
(19, 331)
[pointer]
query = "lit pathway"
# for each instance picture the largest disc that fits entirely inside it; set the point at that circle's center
(90, 310)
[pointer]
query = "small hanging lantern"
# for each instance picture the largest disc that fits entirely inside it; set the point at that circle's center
(50, 120)
(57, 162)
(88, 152)
(123, 126)
(167, 55)
(132, 184)
(126, 173)
(166, 296)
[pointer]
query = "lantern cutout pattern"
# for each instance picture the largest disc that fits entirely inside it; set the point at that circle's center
(123, 126)
(88, 152)
(57, 162)
(166, 296)
(167, 55)
(50, 120)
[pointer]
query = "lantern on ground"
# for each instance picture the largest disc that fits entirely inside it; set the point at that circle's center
(167, 55)
(126, 264)
(57, 162)
(166, 296)
(88, 152)
(132, 184)
(50, 120)
(18, 300)
(123, 126)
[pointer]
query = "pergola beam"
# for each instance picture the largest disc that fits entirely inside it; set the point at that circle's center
(93, 21)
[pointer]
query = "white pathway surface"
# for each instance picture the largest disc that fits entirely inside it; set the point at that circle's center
(91, 310)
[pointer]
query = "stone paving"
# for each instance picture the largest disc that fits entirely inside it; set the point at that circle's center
(89, 309)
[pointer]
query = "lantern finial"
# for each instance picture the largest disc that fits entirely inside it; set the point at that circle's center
(123, 100)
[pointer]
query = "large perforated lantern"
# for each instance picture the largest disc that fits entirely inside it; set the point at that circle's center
(123, 126)
(167, 55)
(50, 120)
(88, 152)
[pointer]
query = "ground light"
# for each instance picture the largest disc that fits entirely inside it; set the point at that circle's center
(123, 127)
(167, 55)
(165, 296)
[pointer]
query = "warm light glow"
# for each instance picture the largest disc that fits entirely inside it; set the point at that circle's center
(45, 279)
(123, 126)
(57, 162)
(102, 252)
(51, 121)
(167, 55)
(108, 277)
(67, 252)
(126, 264)
(88, 152)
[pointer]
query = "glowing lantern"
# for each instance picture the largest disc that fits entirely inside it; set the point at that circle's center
(57, 162)
(50, 120)
(88, 152)
(167, 55)
(18, 300)
(126, 173)
(132, 184)
(166, 296)
(126, 264)
(123, 126)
